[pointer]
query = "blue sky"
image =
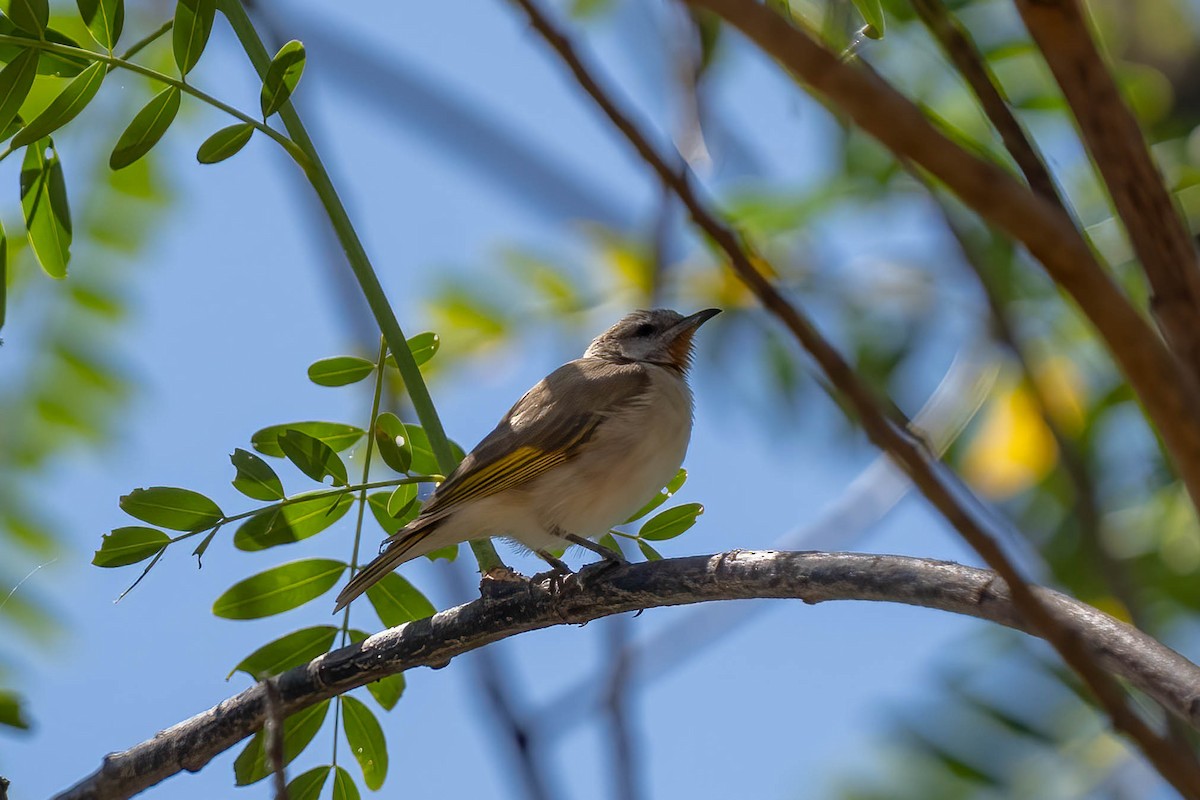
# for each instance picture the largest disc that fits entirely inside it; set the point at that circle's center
(233, 302)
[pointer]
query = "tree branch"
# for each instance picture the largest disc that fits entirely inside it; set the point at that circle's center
(1158, 234)
(1168, 392)
(949, 497)
(1152, 667)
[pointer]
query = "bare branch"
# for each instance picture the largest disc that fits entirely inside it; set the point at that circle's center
(1178, 766)
(1168, 392)
(1147, 664)
(1158, 234)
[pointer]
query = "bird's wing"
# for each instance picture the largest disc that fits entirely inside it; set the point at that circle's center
(544, 429)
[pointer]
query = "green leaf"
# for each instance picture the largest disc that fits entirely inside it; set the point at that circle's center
(423, 347)
(449, 552)
(401, 500)
(279, 589)
(11, 714)
(663, 496)
(147, 127)
(189, 34)
(391, 440)
(44, 203)
(59, 65)
(343, 786)
(397, 601)
(308, 785)
(366, 741)
(299, 730)
(610, 541)
(3, 275)
(334, 434)
(872, 14)
(671, 523)
(255, 478)
(104, 20)
(339, 371)
(282, 76)
(291, 523)
(224, 143)
(177, 509)
(298, 647)
(386, 691)
(649, 552)
(378, 504)
(31, 16)
(64, 107)
(129, 545)
(16, 79)
(423, 460)
(313, 457)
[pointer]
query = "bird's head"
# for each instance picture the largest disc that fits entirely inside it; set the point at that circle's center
(660, 336)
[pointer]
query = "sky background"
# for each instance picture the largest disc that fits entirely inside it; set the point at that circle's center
(233, 300)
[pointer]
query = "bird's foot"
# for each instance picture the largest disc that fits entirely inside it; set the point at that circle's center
(557, 574)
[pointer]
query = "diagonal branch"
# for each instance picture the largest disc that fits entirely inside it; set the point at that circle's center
(1158, 234)
(1168, 392)
(594, 593)
(1178, 766)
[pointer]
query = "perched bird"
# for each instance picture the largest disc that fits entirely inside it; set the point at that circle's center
(583, 450)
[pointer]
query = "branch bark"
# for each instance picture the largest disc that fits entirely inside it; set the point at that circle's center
(1168, 392)
(1158, 234)
(593, 593)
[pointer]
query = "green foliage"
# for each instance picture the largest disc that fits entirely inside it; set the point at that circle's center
(339, 371)
(104, 20)
(308, 785)
(343, 785)
(146, 128)
(31, 16)
(64, 107)
(170, 507)
(129, 545)
(294, 649)
(872, 13)
(392, 442)
(335, 434)
(671, 523)
(252, 764)
(312, 457)
(11, 712)
(282, 76)
(279, 589)
(189, 35)
(16, 79)
(224, 143)
(255, 478)
(44, 202)
(663, 496)
(367, 743)
(299, 519)
(397, 601)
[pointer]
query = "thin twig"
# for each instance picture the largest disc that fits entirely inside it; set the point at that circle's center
(1179, 768)
(597, 592)
(273, 738)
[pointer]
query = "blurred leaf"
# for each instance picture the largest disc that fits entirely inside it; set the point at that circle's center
(129, 545)
(104, 20)
(16, 79)
(255, 478)
(224, 143)
(397, 601)
(401, 499)
(391, 440)
(308, 785)
(282, 76)
(11, 713)
(386, 691)
(670, 523)
(343, 785)
(449, 552)
(872, 14)
(169, 507)
(610, 541)
(31, 16)
(649, 552)
(279, 589)
(1011, 448)
(423, 460)
(313, 457)
(663, 496)
(299, 730)
(296, 648)
(44, 203)
(378, 502)
(63, 108)
(3, 276)
(366, 741)
(57, 64)
(292, 522)
(339, 370)
(147, 127)
(335, 434)
(189, 35)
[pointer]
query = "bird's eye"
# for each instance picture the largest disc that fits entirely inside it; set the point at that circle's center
(645, 329)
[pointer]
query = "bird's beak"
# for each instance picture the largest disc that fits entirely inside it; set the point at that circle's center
(691, 323)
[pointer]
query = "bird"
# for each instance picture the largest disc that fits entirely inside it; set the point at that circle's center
(580, 452)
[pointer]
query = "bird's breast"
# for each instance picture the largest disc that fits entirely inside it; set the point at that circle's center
(631, 455)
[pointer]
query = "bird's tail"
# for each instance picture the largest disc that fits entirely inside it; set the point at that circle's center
(401, 548)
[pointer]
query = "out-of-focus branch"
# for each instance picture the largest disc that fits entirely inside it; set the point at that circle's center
(955, 504)
(626, 785)
(597, 592)
(1169, 393)
(965, 56)
(1158, 234)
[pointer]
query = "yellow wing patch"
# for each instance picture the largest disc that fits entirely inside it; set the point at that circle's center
(513, 469)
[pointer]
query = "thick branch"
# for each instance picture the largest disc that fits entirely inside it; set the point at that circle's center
(1162, 673)
(1169, 393)
(1155, 228)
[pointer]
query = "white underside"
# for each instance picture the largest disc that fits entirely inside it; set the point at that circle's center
(625, 463)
